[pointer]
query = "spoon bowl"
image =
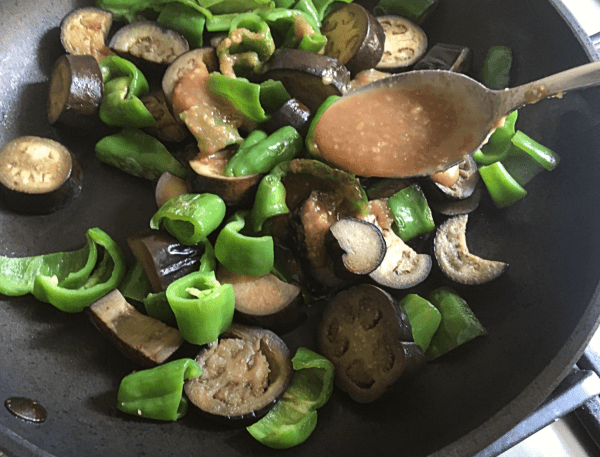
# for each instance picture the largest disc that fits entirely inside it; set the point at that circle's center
(421, 122)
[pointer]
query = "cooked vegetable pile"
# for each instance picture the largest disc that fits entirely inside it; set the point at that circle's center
(218, 103)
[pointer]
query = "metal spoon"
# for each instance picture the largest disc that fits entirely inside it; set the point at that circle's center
(479, 111)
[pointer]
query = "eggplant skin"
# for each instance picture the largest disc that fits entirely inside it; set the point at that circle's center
(245, 373)
(368, 338)
(63, 182)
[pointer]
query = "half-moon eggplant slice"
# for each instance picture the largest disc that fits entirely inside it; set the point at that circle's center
(265, 301)
(75, 91)
(84, 30)
(454, 258)
(444, 186)
(245, 372)
(138, 337)
(149, 41)
(405, 43)
(293, 113)
(38, 175)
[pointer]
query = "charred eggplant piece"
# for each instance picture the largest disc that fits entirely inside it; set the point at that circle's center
(143, 339)
(356, 246)
(368, 338)
(354, 37)
(187, 62)
(402, 267)
(245, 372)
(405, 43)
(454, 258)
(38, 175)
(163, 258)
(446, 57)
(208, 175)
(291, 113)
(308, 77)
(150, 42)
(84, 32)
(75, 91)
(265, 301)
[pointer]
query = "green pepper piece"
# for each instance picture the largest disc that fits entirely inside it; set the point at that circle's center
(107, 275)
(294, 417)
(157, 306)
(313, 43)
(71, 269)
(495, 73)
(412, 215)
(499, 143)
(135, 286)
(138, 154)
(252, 43)
(269, 201)
(541, 154)
(309, 142)
(123, 85)
(244, 254)
(501, 186)
(131, 10)
(273, 95)
(253, 138)
(458, 325)
(240, 93)
(202, 306)
(414, 10)
(190, 217)
(281, 146)
(157, 393)
(220, 22)
(424, 318)
(184, 20)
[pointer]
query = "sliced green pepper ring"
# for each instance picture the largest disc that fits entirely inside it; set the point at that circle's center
(244, 254)
(502, 187)
(499, 143)
(203, 307)
(106, 276)
(190, 217)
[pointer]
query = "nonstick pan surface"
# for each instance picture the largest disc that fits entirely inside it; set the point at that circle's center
(540, 314)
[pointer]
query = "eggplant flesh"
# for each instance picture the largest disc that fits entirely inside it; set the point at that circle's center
(75, 91)
(143, 339)
(163, 258)
(463, 187)
(84, 32)
(454, 258)
(38, 175)
(245, 372)
(405, 43)
(368, 338)
(150, 42)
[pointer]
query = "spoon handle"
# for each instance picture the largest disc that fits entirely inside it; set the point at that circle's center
(557, 84)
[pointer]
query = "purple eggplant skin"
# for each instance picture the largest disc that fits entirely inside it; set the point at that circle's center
(308, 77)
(266, 345)
(294, 113)
(368, 338)
(33, 202)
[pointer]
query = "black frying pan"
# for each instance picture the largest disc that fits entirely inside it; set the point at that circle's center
(540, 314)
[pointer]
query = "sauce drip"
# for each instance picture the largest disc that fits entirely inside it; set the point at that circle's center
(395, 132)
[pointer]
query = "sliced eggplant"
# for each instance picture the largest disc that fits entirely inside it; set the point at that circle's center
(163, 258)
(449, 57)
(456, 183)
(75, 91)
(454, 258)
(265, 301)
(167, 128)
(149, 41)
(169, 186)
(208, 176)
(245, 372)
(405, 43)
(463, 206)
(84, 30)
(402, 267)
(354, 37)
(292, 113)
(38, 175)
(184, 63)
(308, 77)
(143, 339)
(356, 246)
(368, 338)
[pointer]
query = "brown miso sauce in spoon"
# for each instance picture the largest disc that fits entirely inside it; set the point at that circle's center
(422, 122)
